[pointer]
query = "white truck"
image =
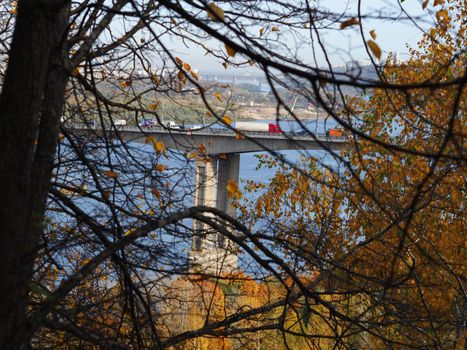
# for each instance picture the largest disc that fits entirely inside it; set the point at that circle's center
(171, 125)
(251, 126)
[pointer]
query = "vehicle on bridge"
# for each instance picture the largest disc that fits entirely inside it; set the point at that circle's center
(249, 126)
(335, 132)
(120, 122)
(172, 125)
(147, 123)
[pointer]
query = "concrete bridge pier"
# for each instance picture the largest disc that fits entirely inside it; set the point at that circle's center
(213, 253)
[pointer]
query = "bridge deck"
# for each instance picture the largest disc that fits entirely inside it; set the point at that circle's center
(217, 140)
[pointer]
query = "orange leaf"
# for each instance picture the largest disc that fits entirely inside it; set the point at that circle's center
(153, 106)
(350, 22)
(226, 119)
(178, 60)
(156, 193)
(106, 194)
(110, 173)
(186, 66)
(160, 167)
(180, 75)
(230, 51)
(374, 48)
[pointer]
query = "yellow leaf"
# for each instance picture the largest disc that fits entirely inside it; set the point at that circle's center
(110, 173)
(201, 148)
(226, 119)
(230, 51)
(179, 61)
(232, 190)
(373, 34)
(192, 155)
(374, 48)
(160, 147)
(186, 66)
(215, 13)
(125, 84)
(160, 167)
(153, 106)
(129, 232)
(261, 31)
(218, 95)
(275, 29)
(350, 22)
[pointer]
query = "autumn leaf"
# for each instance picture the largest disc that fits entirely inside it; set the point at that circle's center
(111, 174)
(350, 22)
(125, 84)
(194, 75)
(239, 136)
(232, 190)
(75, 72)
(192, 155)
(179, 61)
(160, 147)
(153, 106)
(186, 66)
(215, 13)
(218, 95)
(155, 79)
(180, 75)
(374, 48)
(160, 167)
(155, 192)
(275, 29)
(106, 195)
(230, 51)
(373, 34)
(226, 119)
(202, 148)
(261, 31)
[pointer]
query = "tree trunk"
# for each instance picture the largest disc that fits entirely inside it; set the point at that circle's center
(30, 107)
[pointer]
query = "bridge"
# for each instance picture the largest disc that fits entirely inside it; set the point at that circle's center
(221, 165)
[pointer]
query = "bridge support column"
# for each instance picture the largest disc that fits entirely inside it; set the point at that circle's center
(213, 253)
